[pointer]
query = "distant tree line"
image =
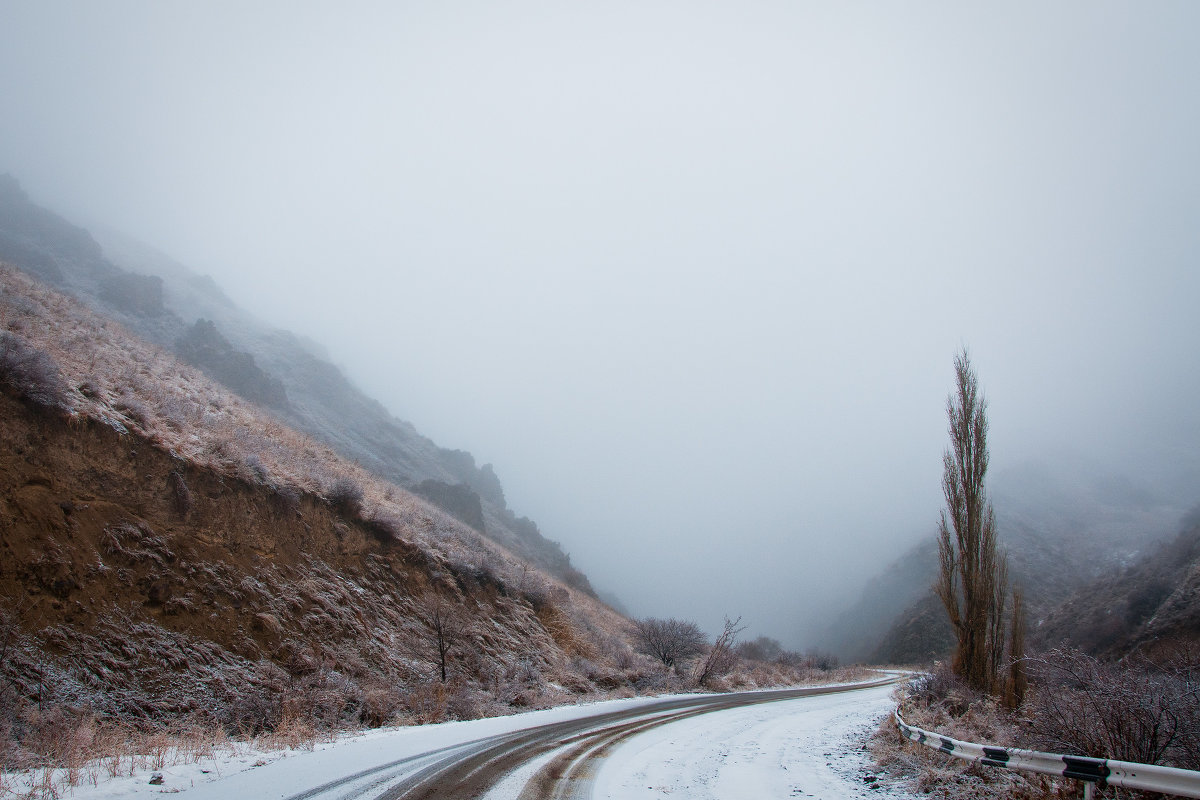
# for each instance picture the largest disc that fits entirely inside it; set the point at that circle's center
(680, 644)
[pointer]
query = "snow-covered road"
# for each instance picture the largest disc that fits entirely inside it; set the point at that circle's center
(809, 747)
(637, 748)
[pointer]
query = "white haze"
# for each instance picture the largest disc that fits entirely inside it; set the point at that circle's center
(690, 274)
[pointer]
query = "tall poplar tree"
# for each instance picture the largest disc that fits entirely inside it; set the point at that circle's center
(972, 580)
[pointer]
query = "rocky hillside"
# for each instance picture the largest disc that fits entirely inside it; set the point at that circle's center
(1061, 533)
(187, 314)
(166, 547)
(1148, 605)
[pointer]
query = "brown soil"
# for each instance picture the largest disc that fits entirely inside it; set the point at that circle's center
(141, 584)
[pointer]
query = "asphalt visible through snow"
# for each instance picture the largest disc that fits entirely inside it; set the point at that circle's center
(564, 756)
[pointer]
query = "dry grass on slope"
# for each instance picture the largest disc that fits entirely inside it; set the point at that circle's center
(106, 374)
(235, 574)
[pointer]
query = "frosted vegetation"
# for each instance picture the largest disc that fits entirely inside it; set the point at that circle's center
(401, 614)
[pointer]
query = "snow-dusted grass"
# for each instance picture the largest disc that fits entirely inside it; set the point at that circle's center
(102, 371)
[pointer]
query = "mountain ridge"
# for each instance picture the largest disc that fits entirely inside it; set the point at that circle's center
(170, 550)
(168, 304)
(1062, 530)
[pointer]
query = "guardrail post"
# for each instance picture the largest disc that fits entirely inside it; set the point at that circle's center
(1089, 790)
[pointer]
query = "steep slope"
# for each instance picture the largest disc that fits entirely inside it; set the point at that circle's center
(169, 305)
(1060, 532)
(1151, 604)
(165, 548)
(321, 401)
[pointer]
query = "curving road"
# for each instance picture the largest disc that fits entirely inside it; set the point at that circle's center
(565, 755)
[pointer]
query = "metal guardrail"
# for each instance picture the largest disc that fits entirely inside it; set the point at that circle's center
(1093, 771)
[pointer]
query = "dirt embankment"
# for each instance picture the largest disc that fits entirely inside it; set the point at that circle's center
(136, 583)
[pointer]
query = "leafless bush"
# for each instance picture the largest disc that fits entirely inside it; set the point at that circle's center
(446, 632)
(671, 641)
(940, 688)
(816, 659)
(762, 648)
(465, 702)
(721, 658)
(346, 495)
(254, 712)
(538, 596)
(326, 699)
(1137, 711)
(426, 703)
(481, 573)
(384, 527)
(380, 705)
(656, 681)
(32, 372)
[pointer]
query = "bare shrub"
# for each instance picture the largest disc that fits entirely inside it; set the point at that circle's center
(295, 731)
(254, 712)
(426, 703)
(325, 699)
(762, 648)
(945, 702)
(384, 527)
(380, 705)
(538, 596)
(654, 681)
(721, 658)
(942, 690)
(446, 632)
(1137, 711)
(522, 684)
(465, 702)
(477, 574)
(32, 372)
(671, 641)
(819, 659)
(346, 496)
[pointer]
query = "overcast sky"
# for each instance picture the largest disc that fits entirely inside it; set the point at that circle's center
(691, 275)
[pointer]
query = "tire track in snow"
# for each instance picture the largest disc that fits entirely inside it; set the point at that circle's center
(467, 771)
(570, 775)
